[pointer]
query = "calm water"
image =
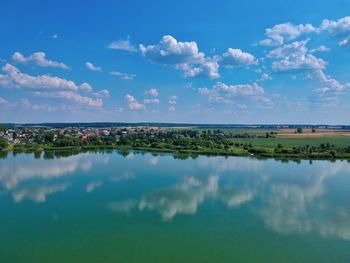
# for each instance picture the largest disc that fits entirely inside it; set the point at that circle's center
(109, 207)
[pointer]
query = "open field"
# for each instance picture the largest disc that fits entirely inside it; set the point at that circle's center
(338, 142)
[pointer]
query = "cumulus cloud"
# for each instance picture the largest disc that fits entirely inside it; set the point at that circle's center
(13, 77)
(236, 57)
(281, 33)
(102, 94)
(183, 56)
(339, 28)
(153, 92)
(39, 59)
(133, 104)
(123, 76)
(71, 96)
(85, 87)
(91, 66)
(295, 49)
(239, 90)
(295, 57)
(223, 93)
(209, 68)
(307, 62)
(172, 52)
(123, 45)
(265, 76)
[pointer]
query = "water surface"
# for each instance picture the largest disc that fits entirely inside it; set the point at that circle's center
(142, 207)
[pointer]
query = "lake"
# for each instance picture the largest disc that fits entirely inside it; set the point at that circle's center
(142, 207)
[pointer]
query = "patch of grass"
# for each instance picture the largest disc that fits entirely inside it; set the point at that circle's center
(338, 142)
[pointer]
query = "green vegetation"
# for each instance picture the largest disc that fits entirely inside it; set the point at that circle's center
(299, 130)
(191, 141)
(3, 143)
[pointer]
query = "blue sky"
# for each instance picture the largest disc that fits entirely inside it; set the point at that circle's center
(175, 61)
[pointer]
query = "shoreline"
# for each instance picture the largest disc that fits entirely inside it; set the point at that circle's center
(188, 152)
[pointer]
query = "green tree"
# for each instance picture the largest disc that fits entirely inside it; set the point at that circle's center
(3, 143)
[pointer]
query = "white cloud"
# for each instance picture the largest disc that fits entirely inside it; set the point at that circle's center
(329, 84)
(153, 92)
(223, 93)
(3, 101)
(265, 76)
(91, 66)
(151, 101)
(295, 49)
(85, 87)
(209, 68)
(123, 45)
(239, 90)
(171, 108)
(172, 100)
(344, 42)
(5, 104)
(295, 57)
(308, 62)
(39, 59)
(123, 76)
(339, 28)
(133, 104)
(321, 48)
(172, 52)
(25, 103)
(281, 33)
(236, 57)
(183, 56)
(102, 93)
(72, 96)
(13, 77)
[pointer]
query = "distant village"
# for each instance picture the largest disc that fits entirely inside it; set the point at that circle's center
(27, 134)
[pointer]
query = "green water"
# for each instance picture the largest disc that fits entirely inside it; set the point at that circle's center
(139, 207)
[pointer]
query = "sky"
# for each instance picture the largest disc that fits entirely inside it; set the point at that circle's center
(234, 62)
